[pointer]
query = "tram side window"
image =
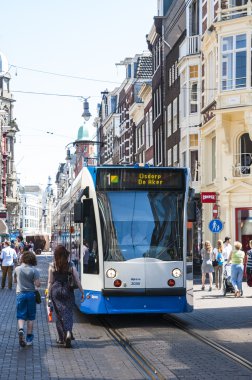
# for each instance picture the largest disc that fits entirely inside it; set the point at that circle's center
(90, 261)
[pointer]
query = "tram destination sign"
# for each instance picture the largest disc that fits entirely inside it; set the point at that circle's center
(139, 179)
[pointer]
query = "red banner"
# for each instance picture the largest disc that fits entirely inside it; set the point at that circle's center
(208, 197)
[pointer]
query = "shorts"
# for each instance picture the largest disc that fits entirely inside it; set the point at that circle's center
(26, 306)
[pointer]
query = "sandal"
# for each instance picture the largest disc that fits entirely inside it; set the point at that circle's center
(203, 287)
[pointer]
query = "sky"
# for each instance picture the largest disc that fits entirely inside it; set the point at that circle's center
(70, 38)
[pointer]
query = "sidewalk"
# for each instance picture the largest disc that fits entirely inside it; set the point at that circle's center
(227, 320)
(93, 356)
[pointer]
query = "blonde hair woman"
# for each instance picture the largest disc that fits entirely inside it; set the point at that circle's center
(218, 268)
(207, 267)
(237, 258)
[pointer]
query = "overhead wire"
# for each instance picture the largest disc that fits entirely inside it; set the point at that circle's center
(63, 75)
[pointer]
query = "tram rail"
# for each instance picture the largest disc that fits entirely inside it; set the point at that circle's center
(147, 369)
(222, 349)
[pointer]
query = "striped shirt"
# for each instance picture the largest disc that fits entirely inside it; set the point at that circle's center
(249, 257)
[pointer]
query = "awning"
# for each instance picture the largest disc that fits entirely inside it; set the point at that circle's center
(3, 227)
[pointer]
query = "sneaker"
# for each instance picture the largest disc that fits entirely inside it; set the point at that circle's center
(29, 339)
(59, 341)
(21, 338)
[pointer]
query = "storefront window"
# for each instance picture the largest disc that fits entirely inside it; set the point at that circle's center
(244, 227)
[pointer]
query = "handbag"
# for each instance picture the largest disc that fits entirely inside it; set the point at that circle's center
(71, 280)
(215, 263)
(37, 296)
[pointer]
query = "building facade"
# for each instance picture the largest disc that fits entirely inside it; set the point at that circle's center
(9, 194)
(226, 131)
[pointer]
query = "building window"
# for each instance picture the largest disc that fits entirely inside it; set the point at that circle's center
(194, 74)
(175, 115)
(245, 153)
(158, 146)
(175, 155)
(194, 165)
(194, 18)
(169, 157)
(148, 129)
(234, 57)
(193, 140)
(184, 159)
(169, 120)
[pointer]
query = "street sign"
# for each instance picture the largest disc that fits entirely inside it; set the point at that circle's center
(215, 211)
(208, 197)
(215, 226)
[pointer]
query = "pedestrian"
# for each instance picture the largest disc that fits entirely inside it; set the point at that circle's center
(74, 255)
(27, 278)
(9, 258)
(249, 265)
(218, 261)
(227, 248)
(85, 255)
(207, 267)
(249, 259)
(237, 259)
(60, 293)
(20, 247)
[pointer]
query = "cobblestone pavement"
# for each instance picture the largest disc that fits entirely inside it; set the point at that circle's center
(96, 356)
(93, 356)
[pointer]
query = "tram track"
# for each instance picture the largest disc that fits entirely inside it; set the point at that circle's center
(218, 347)
(146, 368)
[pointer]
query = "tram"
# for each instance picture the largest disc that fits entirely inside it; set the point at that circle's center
(134, 221)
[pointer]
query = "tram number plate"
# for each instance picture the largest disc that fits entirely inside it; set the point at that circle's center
(135, 281)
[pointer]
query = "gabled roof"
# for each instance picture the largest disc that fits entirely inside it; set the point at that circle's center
(144, 70)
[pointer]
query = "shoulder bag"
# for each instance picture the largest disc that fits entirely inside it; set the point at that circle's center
(37, 296)
(71, 279)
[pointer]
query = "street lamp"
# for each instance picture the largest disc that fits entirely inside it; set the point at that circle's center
(86, 114)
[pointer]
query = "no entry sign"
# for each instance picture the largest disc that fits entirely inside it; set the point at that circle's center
(215, 211)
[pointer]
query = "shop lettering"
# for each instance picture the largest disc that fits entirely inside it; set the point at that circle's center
(150, 179)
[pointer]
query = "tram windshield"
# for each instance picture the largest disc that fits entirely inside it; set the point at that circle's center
(142, 225)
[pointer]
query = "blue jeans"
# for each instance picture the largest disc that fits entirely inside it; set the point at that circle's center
(236, 276)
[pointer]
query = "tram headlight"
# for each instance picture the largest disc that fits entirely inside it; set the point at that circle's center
(176, 272)
(111, 273)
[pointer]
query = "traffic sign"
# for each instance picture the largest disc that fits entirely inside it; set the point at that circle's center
(215, 211)
(215, 226)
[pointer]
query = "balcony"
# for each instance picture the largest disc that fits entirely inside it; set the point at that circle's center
(231, 13)
(191, 45)
(242, 166)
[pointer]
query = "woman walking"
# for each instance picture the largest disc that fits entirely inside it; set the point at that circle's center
(207, 267)
(61, 294)
(218, 259)
(26, 277)
(237, 259)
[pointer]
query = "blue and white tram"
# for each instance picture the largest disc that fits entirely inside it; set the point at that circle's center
(134, 220)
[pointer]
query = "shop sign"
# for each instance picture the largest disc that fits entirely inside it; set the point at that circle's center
(208, 197)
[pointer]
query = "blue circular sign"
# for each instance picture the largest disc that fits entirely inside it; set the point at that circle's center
(215, 226)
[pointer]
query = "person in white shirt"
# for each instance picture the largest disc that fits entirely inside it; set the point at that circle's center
(8, 257)
(227, 248)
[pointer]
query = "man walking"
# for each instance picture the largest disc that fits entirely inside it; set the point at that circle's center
(8, 257)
